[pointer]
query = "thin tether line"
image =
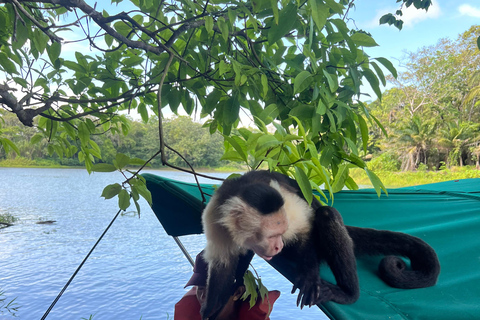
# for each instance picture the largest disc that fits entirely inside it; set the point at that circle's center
(79, 267)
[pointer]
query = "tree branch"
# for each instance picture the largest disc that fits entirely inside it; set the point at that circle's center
(45, 30)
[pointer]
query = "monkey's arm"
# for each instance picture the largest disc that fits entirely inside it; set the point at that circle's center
(220, 283)
(332, 244)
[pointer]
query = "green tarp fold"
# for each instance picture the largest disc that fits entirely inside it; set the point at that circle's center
(446, 215)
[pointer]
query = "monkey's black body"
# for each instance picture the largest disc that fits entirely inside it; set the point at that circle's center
(327, 240)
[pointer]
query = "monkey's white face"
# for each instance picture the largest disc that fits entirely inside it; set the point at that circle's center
(268, 241)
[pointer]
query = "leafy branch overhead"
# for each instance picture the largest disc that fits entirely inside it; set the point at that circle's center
(294, 64)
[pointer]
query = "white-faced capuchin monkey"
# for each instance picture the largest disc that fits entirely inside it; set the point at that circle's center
(265, 212)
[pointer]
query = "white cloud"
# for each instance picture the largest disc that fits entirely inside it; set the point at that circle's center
(468, 10)
(411, 15)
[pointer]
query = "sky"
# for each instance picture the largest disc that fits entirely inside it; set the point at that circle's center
(444, 19)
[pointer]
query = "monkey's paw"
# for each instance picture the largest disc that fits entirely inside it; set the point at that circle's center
(310, 290)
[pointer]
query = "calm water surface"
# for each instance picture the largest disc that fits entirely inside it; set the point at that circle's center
(137, 271)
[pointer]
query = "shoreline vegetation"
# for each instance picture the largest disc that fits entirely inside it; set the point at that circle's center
(398, 179)
(391, 179)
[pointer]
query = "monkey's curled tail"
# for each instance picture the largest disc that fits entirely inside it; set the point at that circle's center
(425, 266)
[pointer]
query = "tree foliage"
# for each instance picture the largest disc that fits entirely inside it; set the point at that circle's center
(295, 65)
(432, 113)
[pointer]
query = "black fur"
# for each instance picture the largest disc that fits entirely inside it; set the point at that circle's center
(329, 241)
(262, 197)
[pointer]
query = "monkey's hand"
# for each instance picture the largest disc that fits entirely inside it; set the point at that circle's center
(310, 289)
(208, 312)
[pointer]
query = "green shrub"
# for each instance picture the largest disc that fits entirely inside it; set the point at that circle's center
(422, 167)
(386, 161)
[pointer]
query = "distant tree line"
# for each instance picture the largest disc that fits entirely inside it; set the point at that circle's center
(196, 144)
(432, 112)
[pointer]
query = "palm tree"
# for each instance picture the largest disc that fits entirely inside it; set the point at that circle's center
(456, 138)
(415, 139)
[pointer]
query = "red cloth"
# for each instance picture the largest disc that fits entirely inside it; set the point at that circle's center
(188, 308)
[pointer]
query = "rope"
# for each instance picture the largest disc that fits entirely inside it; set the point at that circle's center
(78, 268)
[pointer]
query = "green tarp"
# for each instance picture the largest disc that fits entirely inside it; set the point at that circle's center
(446, 215)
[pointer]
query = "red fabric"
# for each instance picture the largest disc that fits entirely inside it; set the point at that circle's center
(188, 308)
(260, 311)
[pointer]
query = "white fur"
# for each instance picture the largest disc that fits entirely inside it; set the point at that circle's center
(299, 213)
(220, 246)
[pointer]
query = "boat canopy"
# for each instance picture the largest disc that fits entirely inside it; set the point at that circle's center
(446, 215)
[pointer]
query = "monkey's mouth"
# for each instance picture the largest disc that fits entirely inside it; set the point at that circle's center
(268, 258)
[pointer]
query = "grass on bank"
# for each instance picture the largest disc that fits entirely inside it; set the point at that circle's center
(20, 162)
(413, 178)
(391, 179)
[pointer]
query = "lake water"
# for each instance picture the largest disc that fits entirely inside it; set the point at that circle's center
(136, 272)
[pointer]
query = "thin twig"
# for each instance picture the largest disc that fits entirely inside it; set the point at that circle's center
(159, 105)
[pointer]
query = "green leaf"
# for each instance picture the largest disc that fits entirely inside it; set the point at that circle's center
(137, 162)
(379, 125)
(222, 68)
(74, 66)
(364, 131)
(142, 109)
(83, 133)
(223, 26)
(304, 184)
(36, 138)
(209, 24)
(266, 142)
(340, 178)
(351, 184)
(21, 81)
(303, 111)
(332, 84)
(108, 40)
(376, 182)
(274, 5)
(123, 199)
(287, 19)
(387, 18)
(54, 51)
(302, 81)
(111, 190)
(374, 83)
(122, 28)
(132, 61)
(321, 108)
(7, 64)
(238, 148)
(364, 40)
(121, 161)
(264, 81)
(320, 13)
(232, 155)
(144, 192)
(103, 167)
(230, 112)
(379, 72)
(7, 144)
(478, 43)
(387, 64)
(269, 113)
(250, 288)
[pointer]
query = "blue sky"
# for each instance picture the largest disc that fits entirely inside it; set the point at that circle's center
(444, 19)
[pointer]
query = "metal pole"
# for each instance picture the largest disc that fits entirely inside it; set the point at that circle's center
(185, 252)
